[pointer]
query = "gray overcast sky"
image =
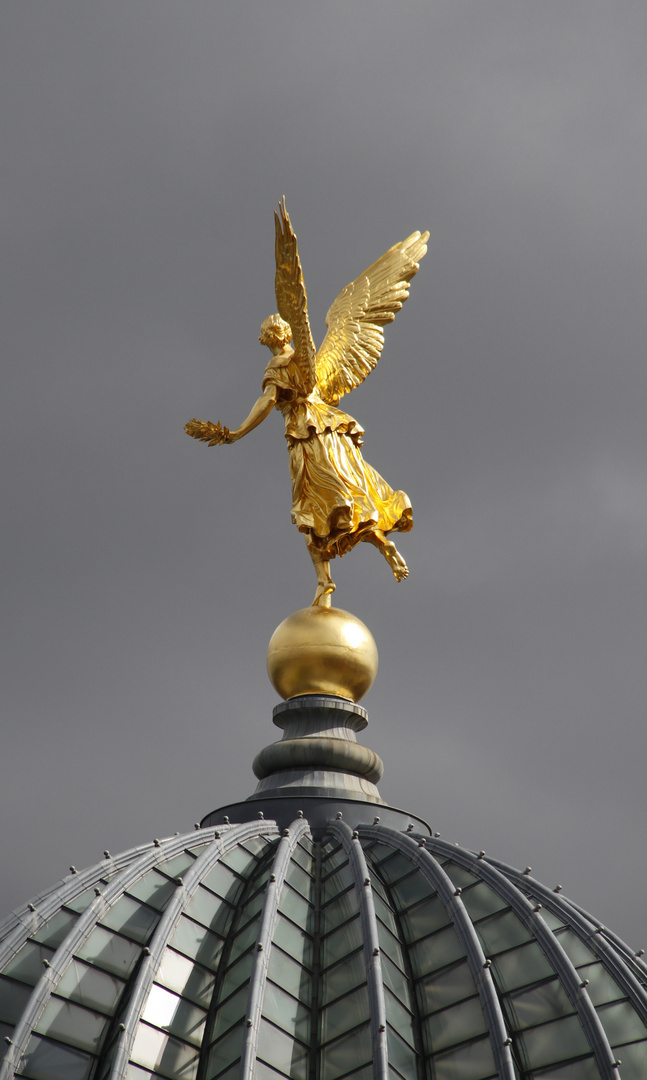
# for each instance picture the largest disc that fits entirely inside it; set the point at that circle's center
(144, 147)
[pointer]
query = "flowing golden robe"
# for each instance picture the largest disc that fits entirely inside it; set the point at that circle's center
(338, 499)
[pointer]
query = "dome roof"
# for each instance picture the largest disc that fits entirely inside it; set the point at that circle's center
(313, 932)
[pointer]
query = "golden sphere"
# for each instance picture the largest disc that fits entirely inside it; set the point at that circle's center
(321, 650)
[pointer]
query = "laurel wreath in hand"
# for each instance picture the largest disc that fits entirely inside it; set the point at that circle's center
(206, 432)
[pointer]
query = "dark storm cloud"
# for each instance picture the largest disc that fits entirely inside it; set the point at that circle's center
(144, 148)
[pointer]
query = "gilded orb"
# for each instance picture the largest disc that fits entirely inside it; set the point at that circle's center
(320, 650)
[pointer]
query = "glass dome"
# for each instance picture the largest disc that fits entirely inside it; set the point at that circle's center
(315, 933)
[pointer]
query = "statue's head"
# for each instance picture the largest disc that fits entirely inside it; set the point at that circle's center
(275, 331)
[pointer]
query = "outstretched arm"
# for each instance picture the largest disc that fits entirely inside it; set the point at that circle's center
(260, 410)
(215, 434)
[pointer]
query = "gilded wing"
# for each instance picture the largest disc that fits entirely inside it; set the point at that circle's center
(354, 342)
(291, 298)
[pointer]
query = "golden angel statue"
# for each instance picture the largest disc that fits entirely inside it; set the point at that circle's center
(338, 499)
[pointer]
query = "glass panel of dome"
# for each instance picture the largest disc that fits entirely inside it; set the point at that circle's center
(621, 1022)
(458, 874)
(239, 860)
(254, 905)
(89, 987)
(261, 1072)
(501, 932)
(166, 1055)
(520, 967)
(345, 1054)
(341, 942)
(329, 847)
(191, 980)
(303, 857)
(342, 977)
(207, 908)
(193, 940)
(378, 852)
(394, 868)
(584, 1069)
(236, 975)
(109, 952)
(410, 889)
(400, 1054)
(285, 1011)
(293, 940)
(601, 986)
(222, 881)
(225, 1053)
(435, 952)
(399, 1017)
(72, 1024)
(365, 1073)
(296, 908)
(300, 880)
(545, 1002)
(178, 865)
(396, 980)
(634, 1061)
(13, 998)
(232, 1074)
(390, 945)
(554, 922)
(472, 1062)
(436, 991)
(282, 1052)
(44, 1060)
(577, 952)
(256, 845)
(27, 964)
(131, 919)
(243, 939)
(454, 1025)
(230, 1012)
(481, 900)
(347, 1012)
(174, 1014)
(339, 910)
(153, 889)
(336, 882)
(384, 913)
(547, 1044)
(424, 918)
(56, 928)
(282, 969)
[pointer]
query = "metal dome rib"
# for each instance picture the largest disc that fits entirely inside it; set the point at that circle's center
(269, 916)
(440, 881)
(372, 957)
(176, 906)
(522, 906)
(590, 931)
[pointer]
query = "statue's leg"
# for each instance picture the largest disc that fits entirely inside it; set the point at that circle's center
(325, 584)
(389, 550)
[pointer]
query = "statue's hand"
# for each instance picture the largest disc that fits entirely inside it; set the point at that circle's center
(205, 431)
